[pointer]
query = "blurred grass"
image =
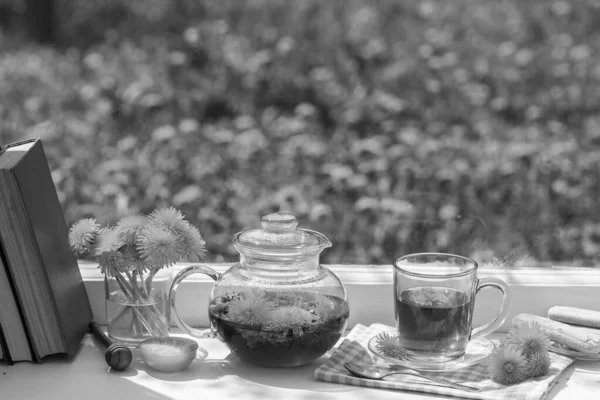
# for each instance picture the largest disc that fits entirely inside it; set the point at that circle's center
(470, 126)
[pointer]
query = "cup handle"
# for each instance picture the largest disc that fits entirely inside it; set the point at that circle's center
(184, 273)
(490, 327)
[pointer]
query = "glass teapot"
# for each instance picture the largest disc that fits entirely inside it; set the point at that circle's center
(277, 307)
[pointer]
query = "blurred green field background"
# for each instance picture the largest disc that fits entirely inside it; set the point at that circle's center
(470, 126)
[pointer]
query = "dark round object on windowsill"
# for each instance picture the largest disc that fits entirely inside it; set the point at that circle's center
(118, 357)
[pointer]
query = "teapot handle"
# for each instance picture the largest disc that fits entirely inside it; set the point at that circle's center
(184, 273)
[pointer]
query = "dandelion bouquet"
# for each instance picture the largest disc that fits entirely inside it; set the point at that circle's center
(130, 254)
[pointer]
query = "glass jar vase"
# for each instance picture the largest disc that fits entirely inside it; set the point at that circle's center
(137, 305)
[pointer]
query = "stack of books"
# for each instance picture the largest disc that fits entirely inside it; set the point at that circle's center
(44, 308)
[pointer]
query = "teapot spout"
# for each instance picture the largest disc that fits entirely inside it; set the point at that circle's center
(322, 241)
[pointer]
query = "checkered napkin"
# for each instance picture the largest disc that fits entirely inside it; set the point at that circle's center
(354, 349)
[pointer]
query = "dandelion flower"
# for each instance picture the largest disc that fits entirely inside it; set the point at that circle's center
(428, 297)
(193, 246)
(389, 346)
(133, 258)
(82, 235)
(169, 218)
(294, 318)
(530, 338)
(158, 247)
(218, 309)
(250, 310)
(538, 364)
(112, 262)
(129, 227)
(287, 299)
(324, 308)
(507, 365)
(142, 266)
(107, 240)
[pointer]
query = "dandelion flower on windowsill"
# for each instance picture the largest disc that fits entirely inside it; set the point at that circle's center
(158, 247)
(538, 364)
(507, 365)
(82, 235)
(530, 338)
(389, 346)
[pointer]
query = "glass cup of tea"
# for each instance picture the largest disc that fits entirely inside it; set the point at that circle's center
(434, 299)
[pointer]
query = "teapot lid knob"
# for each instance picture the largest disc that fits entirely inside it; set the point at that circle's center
(279, 222)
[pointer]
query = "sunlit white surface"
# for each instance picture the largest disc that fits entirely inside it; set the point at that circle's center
(219, 376)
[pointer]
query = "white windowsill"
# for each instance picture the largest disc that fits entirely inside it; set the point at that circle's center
(222, 376)
(369, 289)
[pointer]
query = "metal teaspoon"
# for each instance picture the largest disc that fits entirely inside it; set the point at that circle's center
(372, 372)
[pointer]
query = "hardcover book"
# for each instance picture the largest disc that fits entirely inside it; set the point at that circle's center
(2, 346)
(15, 345)
(34, 238)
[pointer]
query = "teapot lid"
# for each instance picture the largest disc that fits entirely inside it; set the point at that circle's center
(279, 233)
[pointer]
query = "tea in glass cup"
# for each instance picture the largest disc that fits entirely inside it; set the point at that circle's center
(434, 299)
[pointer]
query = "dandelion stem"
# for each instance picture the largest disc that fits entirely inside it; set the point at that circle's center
(124, 286)
(140, 299)
(134, 286)
(137, 275)
(149, 279)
